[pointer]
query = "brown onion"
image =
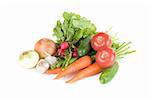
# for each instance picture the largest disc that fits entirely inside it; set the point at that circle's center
(45, 47)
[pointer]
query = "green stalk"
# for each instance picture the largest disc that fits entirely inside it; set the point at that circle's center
(126, 53)
(122, 50)
(123, 45)
(68, 60)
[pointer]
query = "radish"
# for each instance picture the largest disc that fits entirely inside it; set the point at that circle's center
(64, 45)
(74, 54)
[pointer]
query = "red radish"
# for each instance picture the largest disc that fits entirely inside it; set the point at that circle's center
(74, 54)
(75, 49)
(58, 51)
(45, 47)
(64, 45)
(62, 53)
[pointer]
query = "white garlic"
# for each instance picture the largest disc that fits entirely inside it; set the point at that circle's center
(51, 59)
(42, 66)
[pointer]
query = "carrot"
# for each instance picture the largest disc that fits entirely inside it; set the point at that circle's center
(89, 71)
(81, 63)
(54, 71)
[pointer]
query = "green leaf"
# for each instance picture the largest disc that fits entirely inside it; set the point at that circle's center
(70, 16)
(82, 24)
(70, 34)
(78, 34)
(72, 60)
(64, 28)
(73, 28)
(66, 16)
(58, 32)
(58, 63)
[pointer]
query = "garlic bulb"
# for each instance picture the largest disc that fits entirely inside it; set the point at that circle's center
(42, 66)
(51, 59)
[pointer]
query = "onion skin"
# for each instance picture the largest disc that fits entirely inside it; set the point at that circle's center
(29, 59)
(45, 47)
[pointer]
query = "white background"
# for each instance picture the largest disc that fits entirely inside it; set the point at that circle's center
(23, 22)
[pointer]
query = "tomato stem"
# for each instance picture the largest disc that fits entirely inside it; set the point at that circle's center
(122, 46)
(122, 50)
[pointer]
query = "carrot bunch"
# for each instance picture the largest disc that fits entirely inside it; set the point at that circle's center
(83, 65)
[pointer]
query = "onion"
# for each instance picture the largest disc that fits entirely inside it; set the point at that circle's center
(29, 59)
(42, 66)
(45, 46)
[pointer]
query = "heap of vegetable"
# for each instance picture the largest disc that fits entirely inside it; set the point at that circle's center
(78, 48)
(73, 38)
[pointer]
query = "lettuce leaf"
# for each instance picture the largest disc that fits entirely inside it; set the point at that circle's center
(73, 29)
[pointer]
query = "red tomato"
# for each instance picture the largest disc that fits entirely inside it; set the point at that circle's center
(101, 39)
(105, 57)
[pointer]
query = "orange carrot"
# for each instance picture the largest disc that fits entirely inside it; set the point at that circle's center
(54, 71)
(89, 71)
(81, 63)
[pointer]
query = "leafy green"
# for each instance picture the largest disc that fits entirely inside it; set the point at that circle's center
(73, 28)
(58, 32)
(72, 60)
(58, 63)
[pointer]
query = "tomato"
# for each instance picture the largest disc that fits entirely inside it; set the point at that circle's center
(105, 57)
(101, 39)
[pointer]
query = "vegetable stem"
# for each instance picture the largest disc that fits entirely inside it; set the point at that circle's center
(123, 45)
(122, 50)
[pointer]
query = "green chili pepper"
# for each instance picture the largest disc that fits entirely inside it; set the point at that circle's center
(84, 46)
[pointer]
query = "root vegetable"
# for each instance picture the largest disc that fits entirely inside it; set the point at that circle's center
(87, 72)
(42, 66)
(53, 71)
(45, 46)
(79, 64)
(74, 54)
(29, 59)
(64, 45)
(51, 59)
